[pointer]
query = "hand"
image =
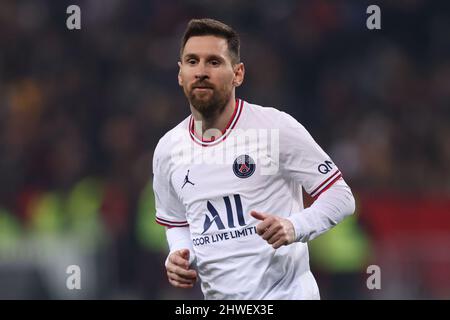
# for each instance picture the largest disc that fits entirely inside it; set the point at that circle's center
(275, 230)
(178, 272)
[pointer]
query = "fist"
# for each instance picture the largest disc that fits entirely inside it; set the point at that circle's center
(178, 271)
(276, 230)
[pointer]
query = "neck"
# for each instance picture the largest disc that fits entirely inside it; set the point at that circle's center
(215, 124)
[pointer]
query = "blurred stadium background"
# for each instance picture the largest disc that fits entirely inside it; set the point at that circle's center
(81, 112)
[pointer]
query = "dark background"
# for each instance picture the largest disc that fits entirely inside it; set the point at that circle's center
(81, 112)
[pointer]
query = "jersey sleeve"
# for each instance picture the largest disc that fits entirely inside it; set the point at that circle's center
(303, 160)
(170, 212)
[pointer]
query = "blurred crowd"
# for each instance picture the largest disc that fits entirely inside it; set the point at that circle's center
(81, 111)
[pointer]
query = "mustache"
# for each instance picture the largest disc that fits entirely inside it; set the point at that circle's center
(202, 84)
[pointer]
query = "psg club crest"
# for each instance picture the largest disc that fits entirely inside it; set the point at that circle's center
(244, 166)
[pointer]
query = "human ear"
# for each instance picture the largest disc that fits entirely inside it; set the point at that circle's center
(180, 80)
(239, 72)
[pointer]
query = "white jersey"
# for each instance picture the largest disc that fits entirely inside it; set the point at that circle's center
(260, 162)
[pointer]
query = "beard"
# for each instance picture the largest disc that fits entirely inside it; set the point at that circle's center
(209, 102)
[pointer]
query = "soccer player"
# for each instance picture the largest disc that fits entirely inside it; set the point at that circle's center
(228, 183)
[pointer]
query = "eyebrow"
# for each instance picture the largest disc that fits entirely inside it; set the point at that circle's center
(209, 57)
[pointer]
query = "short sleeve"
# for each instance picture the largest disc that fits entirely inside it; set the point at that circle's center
(170, 212)
(303, 160)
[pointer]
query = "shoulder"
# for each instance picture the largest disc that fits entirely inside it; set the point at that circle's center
(290, 132)
(261, 113)
(271, 117)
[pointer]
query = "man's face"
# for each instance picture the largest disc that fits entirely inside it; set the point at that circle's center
(207, 74)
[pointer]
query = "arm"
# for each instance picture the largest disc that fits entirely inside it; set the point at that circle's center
(330, 208)
(180, 258)
(304, 162)
(170, 213)
(180, 238)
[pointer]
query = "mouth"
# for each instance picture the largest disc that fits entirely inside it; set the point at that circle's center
(201, 89)
(202, 86)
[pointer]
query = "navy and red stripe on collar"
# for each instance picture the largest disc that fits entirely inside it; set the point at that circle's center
(226, 132)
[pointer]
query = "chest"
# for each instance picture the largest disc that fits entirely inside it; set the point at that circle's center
(224, 185)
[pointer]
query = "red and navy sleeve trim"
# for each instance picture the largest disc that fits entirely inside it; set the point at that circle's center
(326, 184)
(170, 224)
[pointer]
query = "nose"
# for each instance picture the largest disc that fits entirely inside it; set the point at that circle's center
(201, 77)
(201, 72)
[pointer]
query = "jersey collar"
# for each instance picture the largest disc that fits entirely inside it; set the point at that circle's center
(226, 132)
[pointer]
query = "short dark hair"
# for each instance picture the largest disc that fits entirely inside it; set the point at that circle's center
(211, 27)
